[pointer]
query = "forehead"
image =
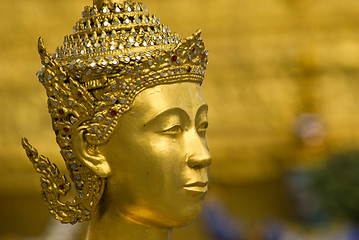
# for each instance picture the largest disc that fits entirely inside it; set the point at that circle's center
(152, 101)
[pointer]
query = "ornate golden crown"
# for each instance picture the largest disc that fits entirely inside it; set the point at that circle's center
(116, 51)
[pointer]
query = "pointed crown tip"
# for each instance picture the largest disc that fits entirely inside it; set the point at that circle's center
(99, 3)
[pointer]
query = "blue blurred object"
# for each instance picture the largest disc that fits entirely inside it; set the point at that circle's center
(273, 231)
(353, 233)
(219, 223)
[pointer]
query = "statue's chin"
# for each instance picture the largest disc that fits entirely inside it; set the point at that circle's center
(171, 218)
(189, 214)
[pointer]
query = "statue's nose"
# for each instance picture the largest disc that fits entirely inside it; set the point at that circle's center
(197, 150)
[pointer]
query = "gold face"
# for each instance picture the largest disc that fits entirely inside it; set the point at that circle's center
(159, 158)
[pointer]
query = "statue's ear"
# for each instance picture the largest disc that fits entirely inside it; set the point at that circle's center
(89, 154)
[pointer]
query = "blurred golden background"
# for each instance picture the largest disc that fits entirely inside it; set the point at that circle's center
(282, 86)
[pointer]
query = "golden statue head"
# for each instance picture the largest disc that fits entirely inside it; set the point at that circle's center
(128, 114)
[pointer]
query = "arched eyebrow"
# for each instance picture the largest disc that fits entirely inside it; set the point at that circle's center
(182, 114)
(203, 109)
(167, 113)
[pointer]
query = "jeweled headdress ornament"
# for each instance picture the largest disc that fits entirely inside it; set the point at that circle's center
(116, 51)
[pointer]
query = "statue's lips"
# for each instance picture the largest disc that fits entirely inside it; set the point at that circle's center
(197, 187)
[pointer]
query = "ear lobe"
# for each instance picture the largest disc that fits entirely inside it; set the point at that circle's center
(89, 154)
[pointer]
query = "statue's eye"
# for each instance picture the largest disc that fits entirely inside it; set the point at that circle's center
(177, 129)
(202, 129)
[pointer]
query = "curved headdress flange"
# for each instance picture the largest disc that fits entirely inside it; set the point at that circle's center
(54, 186)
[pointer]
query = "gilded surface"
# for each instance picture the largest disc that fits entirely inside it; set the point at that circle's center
(260, 53)
(121, 69)
(159, 159)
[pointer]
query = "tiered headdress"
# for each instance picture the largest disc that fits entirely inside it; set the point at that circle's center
(116, 51)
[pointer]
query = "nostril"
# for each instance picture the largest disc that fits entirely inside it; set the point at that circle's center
(197, 163)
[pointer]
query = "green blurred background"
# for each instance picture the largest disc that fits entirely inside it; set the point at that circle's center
(282, 85)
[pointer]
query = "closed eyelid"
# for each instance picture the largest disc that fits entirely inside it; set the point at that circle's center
(203, 125)
(176, 129)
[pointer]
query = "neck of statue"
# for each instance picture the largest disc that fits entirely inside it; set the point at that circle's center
(117, 227)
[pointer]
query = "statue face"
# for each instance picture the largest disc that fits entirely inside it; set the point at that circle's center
(159, 157)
